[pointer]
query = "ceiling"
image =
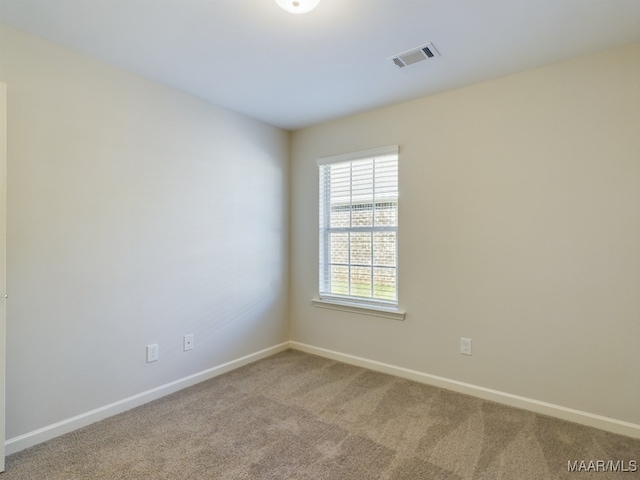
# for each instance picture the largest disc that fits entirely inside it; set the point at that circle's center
(293, 71)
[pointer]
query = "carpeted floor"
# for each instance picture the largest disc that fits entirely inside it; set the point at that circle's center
(299, 416)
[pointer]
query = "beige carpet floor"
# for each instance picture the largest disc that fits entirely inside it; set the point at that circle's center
(299, 416)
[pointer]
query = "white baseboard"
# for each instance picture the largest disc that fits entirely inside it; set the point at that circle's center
(35, 437)
(30, 439)
(557, 411)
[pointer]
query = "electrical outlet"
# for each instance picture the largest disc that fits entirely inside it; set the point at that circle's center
(465, 346)
(153, 353)
(187, 342)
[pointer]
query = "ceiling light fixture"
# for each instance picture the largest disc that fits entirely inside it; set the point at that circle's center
(298, 6)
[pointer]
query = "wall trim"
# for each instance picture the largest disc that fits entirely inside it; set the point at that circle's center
(40, 435)
(577, 416)
(371, 310)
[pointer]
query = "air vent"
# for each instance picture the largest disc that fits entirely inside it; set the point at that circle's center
(415, 55)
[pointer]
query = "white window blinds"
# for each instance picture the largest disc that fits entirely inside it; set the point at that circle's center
(359, 226)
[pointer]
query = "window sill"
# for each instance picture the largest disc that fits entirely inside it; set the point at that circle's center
(371, 310)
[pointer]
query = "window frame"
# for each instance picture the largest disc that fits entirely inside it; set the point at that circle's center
(349, 302)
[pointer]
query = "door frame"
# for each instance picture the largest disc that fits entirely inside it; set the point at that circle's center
(3, 261)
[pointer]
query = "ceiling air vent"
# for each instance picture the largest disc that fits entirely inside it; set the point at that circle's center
(415, 55)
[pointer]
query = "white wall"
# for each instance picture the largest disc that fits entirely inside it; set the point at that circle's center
(136, 214)
(519, 228)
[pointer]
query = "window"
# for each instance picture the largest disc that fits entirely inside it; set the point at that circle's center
(359, 228)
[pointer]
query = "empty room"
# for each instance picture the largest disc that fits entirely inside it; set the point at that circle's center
(320, 239)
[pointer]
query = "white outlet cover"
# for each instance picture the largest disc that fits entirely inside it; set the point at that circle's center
(152, 353)
(465, 346)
